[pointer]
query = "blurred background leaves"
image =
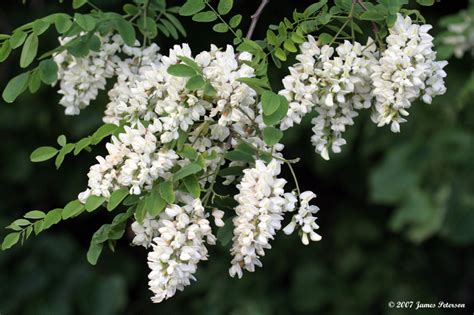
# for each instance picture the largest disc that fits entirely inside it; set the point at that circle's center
(397, 210)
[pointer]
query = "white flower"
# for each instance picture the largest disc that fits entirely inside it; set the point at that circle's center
(145, 232)
(335, 83)
(178, 249)
(218, 215)
(261, 204)
(304, 219)
(406, 70)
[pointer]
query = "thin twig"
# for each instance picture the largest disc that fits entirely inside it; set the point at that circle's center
(375, 28)
(255, 18)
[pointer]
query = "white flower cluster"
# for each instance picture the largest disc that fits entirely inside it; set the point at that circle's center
(406, 70)
(305, 219)
(151, 96)
(81, 78)
(337, 83)
(178, 245)
(262, 203)
(134, 161)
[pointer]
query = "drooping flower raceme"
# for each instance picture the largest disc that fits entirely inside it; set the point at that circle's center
(304, 219)
(406, 71)
(261, 205)
(81, 78)
(334, 83)
(179, 247)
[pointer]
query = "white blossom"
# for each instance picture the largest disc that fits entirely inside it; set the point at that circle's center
(406, 71)
(333, 82)
(304, 219)
(261, 204)
(178, 248)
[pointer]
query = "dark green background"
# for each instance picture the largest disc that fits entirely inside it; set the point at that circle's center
(397, 210)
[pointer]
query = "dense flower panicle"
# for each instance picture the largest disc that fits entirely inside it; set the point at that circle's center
(178, 248)
(146, 93)
(336, 83)
(406, 71)
(134, 161)
(333, 82)
(81, 78)
(261, 204)
(304, 219)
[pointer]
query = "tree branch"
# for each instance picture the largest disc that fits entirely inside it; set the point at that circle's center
(375, 28)
(255, 18)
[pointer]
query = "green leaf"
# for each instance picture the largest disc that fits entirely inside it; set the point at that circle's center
(10, 240)
(206, 16)
(290, 46)
(21, 222)
(85, 21)
(192, 185)
(15, 87)
(131, 9)
(72, 209)
(325, 38)
(187, 170)
(126, 31)
(104, 131)
(191, 7)
(171, 29)
(188, 152)
(29, 51)
(373, 15)
(176, 23)
(231, 171)
(76, 4)
(35, 81)
(48, 71)
(62, 154)
(272, 135)
(62, 23)
(116, 198)
(220, 28)
(278, 115)
(181, 70)
(235, 20)
(95, 249)
(61, 140)
(154, 203)
(43, 154)
(280, 54)
(51, 218)
(140, 211)
(224, 6)
(195, 83)
(82, 144)
(166, 191)
(5, 50)
(237, 155)
(270, 102)
(313, 8)
(17, 39)
(94, 202)
(188, 61)
(272, 39)
(34, 214)
(39, 27)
